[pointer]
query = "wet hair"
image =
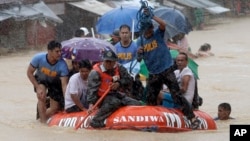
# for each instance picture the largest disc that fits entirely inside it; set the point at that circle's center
(205, 47)
(79, 33)
(181, 35)
(149, 26)
(115, 33)
(53, 44)
(185, 54)
(225, 106)
(178, 37)
(85, 63)
(125, 26)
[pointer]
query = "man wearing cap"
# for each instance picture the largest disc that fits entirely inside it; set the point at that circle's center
(115, 38)
(108, 74)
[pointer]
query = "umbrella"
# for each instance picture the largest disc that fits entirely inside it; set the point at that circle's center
(143, 69)
(113, 19)
(85, 48)
(176, 21)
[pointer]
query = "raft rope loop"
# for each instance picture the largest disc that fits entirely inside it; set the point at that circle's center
(144, 22)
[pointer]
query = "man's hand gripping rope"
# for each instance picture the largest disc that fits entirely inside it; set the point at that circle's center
(91, 109)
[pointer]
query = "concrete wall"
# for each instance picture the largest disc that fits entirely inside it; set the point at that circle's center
(12, 34)
(25, 34)
(37, 35)
(73, 19)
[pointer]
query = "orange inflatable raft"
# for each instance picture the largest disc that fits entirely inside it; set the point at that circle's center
(143, 118)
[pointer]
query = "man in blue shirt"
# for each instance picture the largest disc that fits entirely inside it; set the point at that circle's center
(48, 73)
(126, 49)
(158, 60)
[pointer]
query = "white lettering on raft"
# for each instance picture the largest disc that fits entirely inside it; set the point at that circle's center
(138, 119)
(173, 120)
(71, 122)
(67, 122)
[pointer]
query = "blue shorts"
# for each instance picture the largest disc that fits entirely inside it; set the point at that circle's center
(168, 102)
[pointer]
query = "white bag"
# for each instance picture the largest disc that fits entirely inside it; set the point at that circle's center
(133, 67)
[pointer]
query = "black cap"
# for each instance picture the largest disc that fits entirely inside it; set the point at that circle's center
(109, 55)
(115, 33)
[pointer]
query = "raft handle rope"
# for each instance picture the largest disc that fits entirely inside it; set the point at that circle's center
(144, 22)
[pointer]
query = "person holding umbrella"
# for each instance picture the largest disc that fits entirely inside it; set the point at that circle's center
(108, 75)
(158, 60)
(73, 64)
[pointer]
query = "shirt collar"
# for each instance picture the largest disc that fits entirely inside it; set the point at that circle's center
(103, 68)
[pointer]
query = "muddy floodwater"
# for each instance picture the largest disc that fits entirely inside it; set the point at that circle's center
(223, 78)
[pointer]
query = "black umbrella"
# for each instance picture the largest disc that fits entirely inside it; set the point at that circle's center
(176, 21)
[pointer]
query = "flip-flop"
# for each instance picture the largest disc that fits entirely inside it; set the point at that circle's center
(195, 124)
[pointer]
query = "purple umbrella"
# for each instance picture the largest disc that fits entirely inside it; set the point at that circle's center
(85, 48)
